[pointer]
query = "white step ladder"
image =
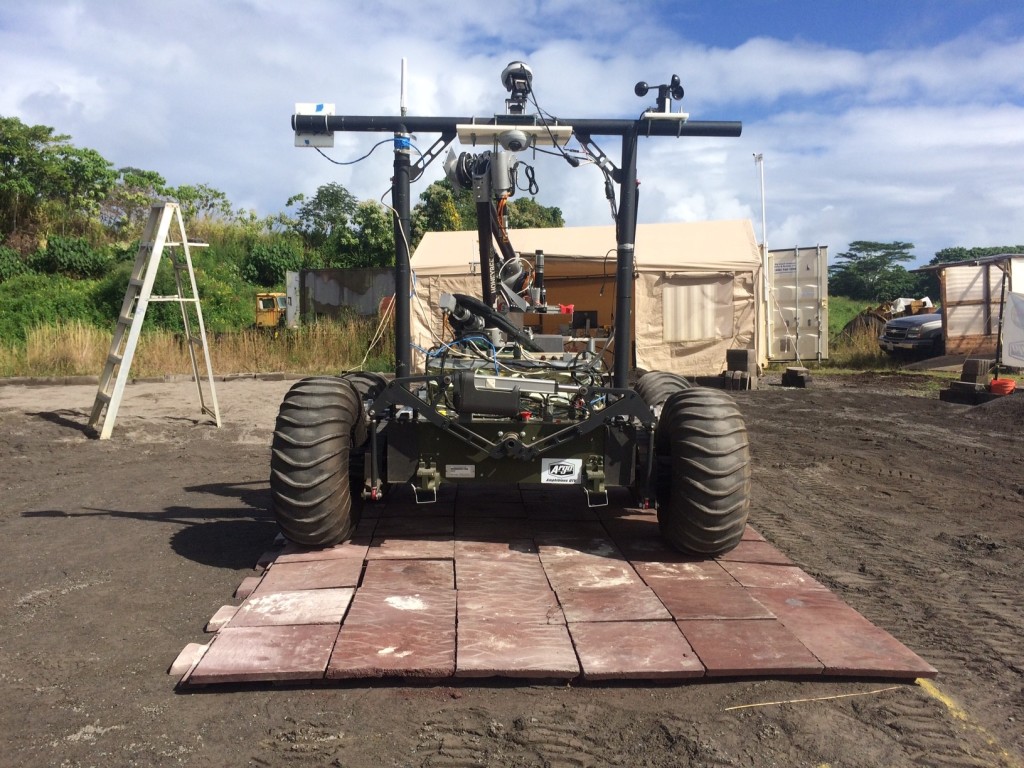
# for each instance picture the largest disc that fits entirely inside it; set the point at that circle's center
(133, 312)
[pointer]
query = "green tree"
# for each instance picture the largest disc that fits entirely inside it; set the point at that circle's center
(374, 244)
(441, 210)
(871, 271)
(83, 179)
(42, 171)
(200, 201)
(71, 257)
(267, 262)
(126, 207)
(11, 264)
(323, 220)
(527, 213)
(445, 209)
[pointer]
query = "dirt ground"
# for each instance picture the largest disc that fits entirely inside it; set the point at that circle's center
(116, 553)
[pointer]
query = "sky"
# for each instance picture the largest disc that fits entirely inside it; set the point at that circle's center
(899, 120)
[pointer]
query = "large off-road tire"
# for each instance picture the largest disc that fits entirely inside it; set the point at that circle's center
(319, 420)
(703, 480)
(656, 386)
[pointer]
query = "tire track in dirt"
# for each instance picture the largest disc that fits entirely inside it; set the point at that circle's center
(933, 560)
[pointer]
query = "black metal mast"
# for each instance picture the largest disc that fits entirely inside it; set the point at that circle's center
(629, 130)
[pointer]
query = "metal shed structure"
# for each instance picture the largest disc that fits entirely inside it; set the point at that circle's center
(697, 289)
(972, 293)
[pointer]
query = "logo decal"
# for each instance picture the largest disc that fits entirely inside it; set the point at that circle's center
(561, 471)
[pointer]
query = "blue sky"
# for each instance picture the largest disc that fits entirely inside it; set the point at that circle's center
(894, 120)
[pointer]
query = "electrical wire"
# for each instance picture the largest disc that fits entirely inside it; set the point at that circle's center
(358, 159)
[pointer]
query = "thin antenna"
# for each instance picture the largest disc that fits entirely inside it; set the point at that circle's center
(402, 103)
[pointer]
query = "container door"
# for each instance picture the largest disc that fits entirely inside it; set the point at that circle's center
(796, 314)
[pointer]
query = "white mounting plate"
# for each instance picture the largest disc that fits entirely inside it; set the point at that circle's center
(539, 135)
(680, 117)
(324, 138)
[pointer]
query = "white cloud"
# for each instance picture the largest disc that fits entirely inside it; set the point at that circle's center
(917, 143)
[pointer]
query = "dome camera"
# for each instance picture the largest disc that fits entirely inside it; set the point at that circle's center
(514, 141)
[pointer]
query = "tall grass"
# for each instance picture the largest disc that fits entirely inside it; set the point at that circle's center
(859, 350)
(78, 349)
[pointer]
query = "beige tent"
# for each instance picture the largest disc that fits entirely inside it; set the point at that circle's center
(697, 291)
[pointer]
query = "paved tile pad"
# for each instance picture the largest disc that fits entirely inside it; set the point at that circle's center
(536, 584)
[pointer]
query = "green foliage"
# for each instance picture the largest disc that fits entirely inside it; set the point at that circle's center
(527, 213)
(267, 263)
(11, 264)
(374, 244)
(72, 257)
(323, 221)
(444, 209)
(126, 207)
(870, 271)
(437, 211)
(200, 201)
(31, 299)
(841, 310)
(42, 175)
(226, 300)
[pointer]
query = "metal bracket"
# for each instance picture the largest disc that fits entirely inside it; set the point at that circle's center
(419, 500)
(603, 160)
(431, 154)
(430, 479)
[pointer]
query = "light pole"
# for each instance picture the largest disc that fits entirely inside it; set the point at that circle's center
(765, 282)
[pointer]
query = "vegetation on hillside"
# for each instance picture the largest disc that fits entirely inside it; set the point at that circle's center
(70, 222)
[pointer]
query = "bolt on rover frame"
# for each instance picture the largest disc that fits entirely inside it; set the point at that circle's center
(498, 403)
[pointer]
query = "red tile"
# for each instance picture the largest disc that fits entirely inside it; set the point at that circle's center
(416, 649)
(628, 603)
(415, 525)
(354, 549)
(488, 493)
(645, 650)
(519, 575)
(478, 507)
(749, 551)
(511, 549)
(409, 575)
(701, 600)
(422, 547)
(846, 642)
(544, 510)
(492, 529)
(556, 548)
(749, 647)
(186, 661)
(364, 528)
(760, 575)
(252, 654)
(307, 606)
(389, 633)
(705, 571)
(651, 550)
(249, 583)
(751, 534)
(378, 607)
(312, 574)
(570, 573)
(223, 615)
(498, 602)
(633, 527)
(495, 649)
(577, 528)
